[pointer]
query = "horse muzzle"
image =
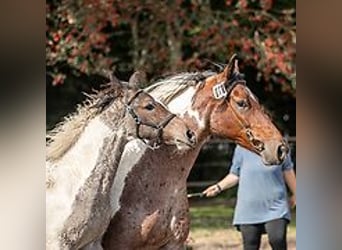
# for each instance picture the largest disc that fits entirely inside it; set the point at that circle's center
(274, 152)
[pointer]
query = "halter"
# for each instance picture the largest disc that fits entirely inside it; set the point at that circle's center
(223, 91)
(159, 127)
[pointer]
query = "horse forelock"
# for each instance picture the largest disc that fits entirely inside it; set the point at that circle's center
(65, 134)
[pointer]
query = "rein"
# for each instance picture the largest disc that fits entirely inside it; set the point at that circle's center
(138, 122)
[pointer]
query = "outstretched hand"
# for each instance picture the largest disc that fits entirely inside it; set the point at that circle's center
(211, 191)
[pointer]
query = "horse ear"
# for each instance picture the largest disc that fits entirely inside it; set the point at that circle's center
(114, 79)
(115, 82)
(232, 67)
(109, 74)
(138, 78)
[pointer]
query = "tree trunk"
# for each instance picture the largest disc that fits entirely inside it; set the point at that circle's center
(174, 46)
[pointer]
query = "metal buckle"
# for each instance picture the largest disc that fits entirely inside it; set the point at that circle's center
(137, 120)
(154, 146)
(219, 91)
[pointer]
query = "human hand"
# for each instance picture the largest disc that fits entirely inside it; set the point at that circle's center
(292, 201)
(212, 191)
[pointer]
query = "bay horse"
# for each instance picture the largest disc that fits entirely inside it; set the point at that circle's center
(154, 209)
(83, 154)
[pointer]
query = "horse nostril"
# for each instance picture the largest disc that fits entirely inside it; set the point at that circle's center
(190, 135)
(281, 152)
(259, 145)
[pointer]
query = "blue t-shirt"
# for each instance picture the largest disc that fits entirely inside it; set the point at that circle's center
(262, 194)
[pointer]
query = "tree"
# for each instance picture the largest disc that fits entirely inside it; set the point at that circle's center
(89, 36)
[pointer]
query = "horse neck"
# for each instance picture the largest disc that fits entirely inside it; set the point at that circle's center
(83, 155)
(194, 115)
(113, 116)
(85, 151)
(111, 152)
(103, 174)
(114, 139)
(91, 203)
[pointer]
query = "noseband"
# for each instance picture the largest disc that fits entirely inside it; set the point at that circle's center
(138, 122)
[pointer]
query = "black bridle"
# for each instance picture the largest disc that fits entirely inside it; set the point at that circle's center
(138, 122)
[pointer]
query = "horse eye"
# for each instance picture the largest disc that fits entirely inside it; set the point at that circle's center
(242, 104)
(149, 106)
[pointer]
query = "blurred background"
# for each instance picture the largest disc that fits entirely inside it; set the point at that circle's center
(86, 38)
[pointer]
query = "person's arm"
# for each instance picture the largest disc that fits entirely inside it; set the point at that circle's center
(290, 179)
(230, 180)
(227, 182)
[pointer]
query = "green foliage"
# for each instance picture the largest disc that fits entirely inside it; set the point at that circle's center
(88, 36)
(84, 38)
(211, 216)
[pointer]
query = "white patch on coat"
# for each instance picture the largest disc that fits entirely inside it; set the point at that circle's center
(70, 173)
(173, 223)
(133, 151)
(195, 114)
(181, 105)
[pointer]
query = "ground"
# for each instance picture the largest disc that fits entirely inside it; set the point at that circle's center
(217, 239)
(211, 227)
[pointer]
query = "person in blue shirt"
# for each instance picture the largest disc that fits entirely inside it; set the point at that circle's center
(262, 203)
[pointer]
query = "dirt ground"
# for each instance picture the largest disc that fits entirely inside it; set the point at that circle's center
(217, 239)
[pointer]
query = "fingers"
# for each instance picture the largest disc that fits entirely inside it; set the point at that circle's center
(208, 190)
(211, 191)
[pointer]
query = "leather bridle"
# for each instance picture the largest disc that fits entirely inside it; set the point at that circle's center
(229, 85)
(138, 122)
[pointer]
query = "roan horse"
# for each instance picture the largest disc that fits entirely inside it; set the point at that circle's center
(83, 155)
(154, 209)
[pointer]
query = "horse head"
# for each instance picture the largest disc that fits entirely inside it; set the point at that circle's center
(148, 119)
(236, 114)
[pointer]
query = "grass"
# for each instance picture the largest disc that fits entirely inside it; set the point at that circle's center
(218, 216)
(215, 216)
